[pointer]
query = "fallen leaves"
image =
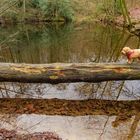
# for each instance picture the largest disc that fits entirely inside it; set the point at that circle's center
(12, 135)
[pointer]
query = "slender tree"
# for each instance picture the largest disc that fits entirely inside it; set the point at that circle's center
(127, 19)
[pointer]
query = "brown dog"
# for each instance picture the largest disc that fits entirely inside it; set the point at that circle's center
(131, 54)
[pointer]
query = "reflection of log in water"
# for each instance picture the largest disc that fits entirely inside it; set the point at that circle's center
(66, 73)
(69, 107)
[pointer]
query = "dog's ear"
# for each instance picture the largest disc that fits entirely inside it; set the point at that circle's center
(123, 52)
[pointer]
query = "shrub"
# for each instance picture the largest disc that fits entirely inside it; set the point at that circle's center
(110, 8)
(56, 9)
(117, 6)
(35, 3)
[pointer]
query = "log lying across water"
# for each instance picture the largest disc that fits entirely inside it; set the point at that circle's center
(69, 107)
(67, 72)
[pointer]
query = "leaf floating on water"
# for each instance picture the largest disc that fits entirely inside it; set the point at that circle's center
(30, 107)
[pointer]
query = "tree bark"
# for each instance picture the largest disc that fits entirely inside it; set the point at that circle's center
(67, 72)
(69, 107)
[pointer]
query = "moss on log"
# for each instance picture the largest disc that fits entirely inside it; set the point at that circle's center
(66, 73)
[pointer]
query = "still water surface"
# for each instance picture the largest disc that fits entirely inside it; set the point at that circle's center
(70, 43)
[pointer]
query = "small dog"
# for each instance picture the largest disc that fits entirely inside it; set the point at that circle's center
(131, 54)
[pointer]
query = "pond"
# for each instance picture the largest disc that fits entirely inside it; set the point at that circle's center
(111, 110)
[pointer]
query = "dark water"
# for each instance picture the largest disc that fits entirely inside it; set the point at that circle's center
(70, 43)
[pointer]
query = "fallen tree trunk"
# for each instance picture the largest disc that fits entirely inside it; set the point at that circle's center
(66, 73)
(69, 107)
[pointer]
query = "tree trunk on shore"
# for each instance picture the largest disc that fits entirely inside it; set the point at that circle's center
(66, 72)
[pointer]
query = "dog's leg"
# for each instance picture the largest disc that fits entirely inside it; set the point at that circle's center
(129, 61)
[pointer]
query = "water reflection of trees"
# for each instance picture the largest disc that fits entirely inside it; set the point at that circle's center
(53, 43)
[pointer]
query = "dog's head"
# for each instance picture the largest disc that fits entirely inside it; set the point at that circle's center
(125, 50)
